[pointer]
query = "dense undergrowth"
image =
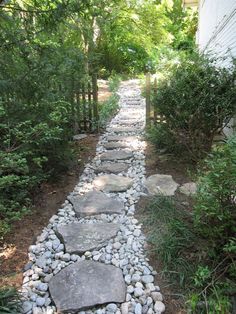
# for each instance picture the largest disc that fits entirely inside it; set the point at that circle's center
(197, 249)
(197, 245)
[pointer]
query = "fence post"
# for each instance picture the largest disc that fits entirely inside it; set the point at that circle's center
(84, 106)
(95, 100)
(148, 98)
(154, 107)
(90, 106)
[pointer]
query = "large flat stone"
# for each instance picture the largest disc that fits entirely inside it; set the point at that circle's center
(79, 238)
(161, 184)
(115, 168)
(113, 183)
(86, 284)
(120, 138)
(121, 129)
(117, 155)
(95, 203)
(114, 145)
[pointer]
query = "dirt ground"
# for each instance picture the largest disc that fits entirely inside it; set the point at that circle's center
(14, 247)
(159, 164)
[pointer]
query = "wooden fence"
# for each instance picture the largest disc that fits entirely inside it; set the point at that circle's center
(152, 116)
(85, 106)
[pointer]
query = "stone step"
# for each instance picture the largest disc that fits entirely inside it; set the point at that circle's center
(121, 129)
(95, 203)
(115, 168)
(79, 238)
(85, 284)
(114, 145)
(112, 183)
(116, 155)
(121, 138)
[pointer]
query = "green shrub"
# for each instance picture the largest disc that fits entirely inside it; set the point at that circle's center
(196, 100)
(108, 109)
(9, 301)
(215, 209)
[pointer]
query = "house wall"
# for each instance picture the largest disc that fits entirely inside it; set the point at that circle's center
(217, 34)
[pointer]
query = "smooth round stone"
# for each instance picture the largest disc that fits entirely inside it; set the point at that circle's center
(138, 308)
(40, 301)
(138, 292)
(147, 279)
(159, 307)
(112, 307)
(156, 296)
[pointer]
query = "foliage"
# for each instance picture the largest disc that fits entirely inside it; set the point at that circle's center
(170, 233)
(199, 249)
(9, 301)
(196, 100)
(215, 210)
(108, 109)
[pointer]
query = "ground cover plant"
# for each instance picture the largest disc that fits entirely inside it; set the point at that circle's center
(197, 245)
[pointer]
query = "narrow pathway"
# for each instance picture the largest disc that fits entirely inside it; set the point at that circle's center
(91, 258)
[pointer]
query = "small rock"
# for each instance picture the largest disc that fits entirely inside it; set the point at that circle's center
(112, 307)
(40, 301)
(159, 307)
(138, 308)
(157, 296)
(147, 279)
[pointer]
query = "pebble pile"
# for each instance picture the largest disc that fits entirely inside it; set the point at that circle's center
(111, 275)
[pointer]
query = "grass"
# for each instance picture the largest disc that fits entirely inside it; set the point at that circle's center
(9, 301)
(171, 236)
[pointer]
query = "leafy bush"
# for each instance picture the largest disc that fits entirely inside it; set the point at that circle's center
(9, 301)
(196, 99)
(108, 109)
(215, 209)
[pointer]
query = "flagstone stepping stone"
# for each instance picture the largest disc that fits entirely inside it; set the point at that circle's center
(79, 238)
(121, 129)
(112, 183)
(85, 284)
(95, 203)
(189, 188)
(79, 137)
(117, 138)
(114, 145)
(112, 167)
(161, 184)
(116, 155)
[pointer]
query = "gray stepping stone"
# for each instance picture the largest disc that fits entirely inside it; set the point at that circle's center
(116, 155)
(114, 145)
(79, 137)
(161, 184)
(95, 203)
(121, 129)
(85, 284)
(113, 183)
(117, 138)
(79, 238)
(112, 167)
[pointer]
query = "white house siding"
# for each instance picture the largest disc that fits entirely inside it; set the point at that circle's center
(217, 34)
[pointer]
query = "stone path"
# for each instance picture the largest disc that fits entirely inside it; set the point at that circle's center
(91, 257)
